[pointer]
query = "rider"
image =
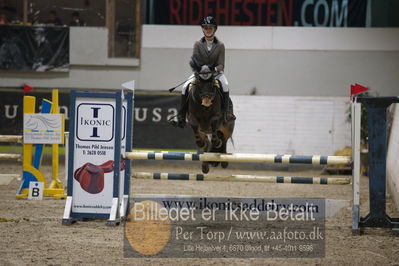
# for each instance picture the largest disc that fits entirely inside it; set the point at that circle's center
(208, 52)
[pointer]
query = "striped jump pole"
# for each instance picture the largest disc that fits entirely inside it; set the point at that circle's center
(10, 157)
(240, 157)
(11, 138)
(244, 178)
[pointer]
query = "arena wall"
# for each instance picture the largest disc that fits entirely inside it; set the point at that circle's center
(294, 125)
(277, 61)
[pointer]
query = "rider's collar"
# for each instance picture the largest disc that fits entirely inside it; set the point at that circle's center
(215, 40)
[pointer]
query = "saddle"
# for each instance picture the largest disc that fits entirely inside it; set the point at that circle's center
(91, 176)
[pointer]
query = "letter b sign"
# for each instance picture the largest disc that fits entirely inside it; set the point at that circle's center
(35, 190)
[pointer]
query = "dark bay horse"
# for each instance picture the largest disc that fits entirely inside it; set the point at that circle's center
(205, 116)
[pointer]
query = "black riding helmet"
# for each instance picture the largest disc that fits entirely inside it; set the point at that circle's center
(209, 21)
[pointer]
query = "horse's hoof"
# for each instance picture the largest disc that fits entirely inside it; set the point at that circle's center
(214, 164)
(217, 144)
(205, 168)
(200, 144)
(224, 164)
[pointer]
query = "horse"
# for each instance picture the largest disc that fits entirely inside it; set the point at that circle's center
(205, 116)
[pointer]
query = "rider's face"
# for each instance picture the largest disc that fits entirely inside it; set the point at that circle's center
(209, 31)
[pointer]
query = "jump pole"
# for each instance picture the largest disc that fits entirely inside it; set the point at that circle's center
(244, 178)
(241, 157)
(10, 157)
(10, 139)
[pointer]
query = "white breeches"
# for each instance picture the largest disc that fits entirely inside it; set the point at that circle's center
(221, 77)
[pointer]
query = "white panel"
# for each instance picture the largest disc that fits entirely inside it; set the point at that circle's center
(290, 125)
(234, 37)
(89, 45)
(393, 158)
(163, 36)
(324, 38)
(341, 135)
(313, 126)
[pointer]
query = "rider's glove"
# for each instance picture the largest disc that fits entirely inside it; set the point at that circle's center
(205, 69)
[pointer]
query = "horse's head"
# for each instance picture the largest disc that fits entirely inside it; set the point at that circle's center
(206, 85)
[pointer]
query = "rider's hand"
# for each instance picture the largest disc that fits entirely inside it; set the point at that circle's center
(205, 69)
(212, 68)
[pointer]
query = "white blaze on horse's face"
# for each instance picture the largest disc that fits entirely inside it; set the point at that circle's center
(206, 102)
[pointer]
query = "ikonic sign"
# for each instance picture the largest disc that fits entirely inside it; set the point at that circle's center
(98, 177)
(94, 154)
(95, 122)
(96, 173)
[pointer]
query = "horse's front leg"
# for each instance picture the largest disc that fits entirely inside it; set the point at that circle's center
(202, 142)
(215, 139)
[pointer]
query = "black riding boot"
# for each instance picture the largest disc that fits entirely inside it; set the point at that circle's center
(228, 114)
(181, 115)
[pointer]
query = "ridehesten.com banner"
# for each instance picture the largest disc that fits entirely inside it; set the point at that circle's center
(319, 13)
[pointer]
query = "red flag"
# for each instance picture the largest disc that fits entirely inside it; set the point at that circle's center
(357, 88)
(27, 88)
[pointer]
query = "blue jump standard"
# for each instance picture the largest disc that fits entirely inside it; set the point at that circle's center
(377, 134)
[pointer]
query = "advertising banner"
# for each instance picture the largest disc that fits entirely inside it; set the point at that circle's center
(35, 48)
(94, 154)
(98, 177)
(318, 13)
(43, 129)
